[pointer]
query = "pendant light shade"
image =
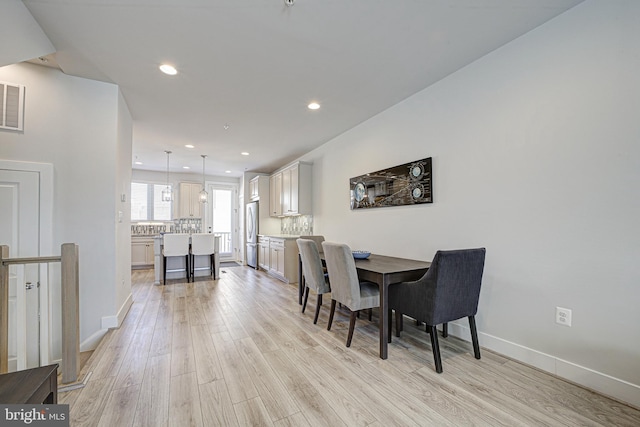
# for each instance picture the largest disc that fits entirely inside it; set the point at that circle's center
(167, 194)
(204, 196)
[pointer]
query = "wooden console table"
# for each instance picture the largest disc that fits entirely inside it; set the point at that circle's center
(37, 386)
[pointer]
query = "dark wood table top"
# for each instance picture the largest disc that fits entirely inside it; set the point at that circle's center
(30, 385)
(383, 264)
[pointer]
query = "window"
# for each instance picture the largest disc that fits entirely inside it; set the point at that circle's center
(147, 204)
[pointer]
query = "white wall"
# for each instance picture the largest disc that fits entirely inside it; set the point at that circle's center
(83, 129)
(122, 215)
(535, 157)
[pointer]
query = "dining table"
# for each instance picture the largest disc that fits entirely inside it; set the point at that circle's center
(384, 271)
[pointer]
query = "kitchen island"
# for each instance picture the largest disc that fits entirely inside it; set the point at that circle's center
(200, 261)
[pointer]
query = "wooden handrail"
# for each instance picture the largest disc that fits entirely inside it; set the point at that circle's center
(32, 260)
(70, 307)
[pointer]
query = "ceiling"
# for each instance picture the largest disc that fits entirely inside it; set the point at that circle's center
(248, 68)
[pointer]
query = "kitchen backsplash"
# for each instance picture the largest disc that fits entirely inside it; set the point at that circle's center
(180, 225)
(301, 225)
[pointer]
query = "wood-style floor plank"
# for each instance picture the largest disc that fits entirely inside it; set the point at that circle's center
(217, 409)
(153, 400)
(184, 401)
(237, 351)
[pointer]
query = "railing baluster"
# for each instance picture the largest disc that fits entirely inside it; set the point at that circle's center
(4, 310)
(70, 314)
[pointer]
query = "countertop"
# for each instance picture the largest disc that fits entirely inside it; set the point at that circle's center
(281, 236)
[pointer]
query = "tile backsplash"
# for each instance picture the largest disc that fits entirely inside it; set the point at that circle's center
(180, 225)
(301, 225)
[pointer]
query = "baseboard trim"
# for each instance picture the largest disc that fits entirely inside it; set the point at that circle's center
(124, 309)
(109, 322)
(615, 388)
(92, 342)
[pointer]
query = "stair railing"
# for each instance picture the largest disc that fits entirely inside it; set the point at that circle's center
(70, 307)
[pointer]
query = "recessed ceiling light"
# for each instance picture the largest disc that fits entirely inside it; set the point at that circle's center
(186, 167)
(168, 69)
(313, 106)
(189, 146)
(244, 153)
(138, 163)
(227, 171)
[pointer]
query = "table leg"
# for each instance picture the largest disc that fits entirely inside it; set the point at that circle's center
(384, 322)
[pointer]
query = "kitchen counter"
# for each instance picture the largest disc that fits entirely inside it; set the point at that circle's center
(281, 236)
(178, 262)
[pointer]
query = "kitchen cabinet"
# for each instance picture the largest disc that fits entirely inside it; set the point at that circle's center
(142, 253)
(263, 252)
(275, 194)
(254, 188)
(190, 205)
(291, 190)
(278, 256)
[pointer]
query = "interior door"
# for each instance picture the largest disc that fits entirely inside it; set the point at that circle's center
(19, 219)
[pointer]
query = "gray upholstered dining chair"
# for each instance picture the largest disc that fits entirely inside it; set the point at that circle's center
(314, 277)
(318, 239)
(346, 288)
(448, 291)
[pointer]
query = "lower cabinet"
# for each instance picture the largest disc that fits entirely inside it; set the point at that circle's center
(263, 252)
(142, 254)
(279, 257)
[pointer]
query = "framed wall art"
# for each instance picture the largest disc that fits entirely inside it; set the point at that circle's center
(407, 184)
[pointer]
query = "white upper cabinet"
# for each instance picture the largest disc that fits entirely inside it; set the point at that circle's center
(190, 206)
(275, 194)
(291, 190)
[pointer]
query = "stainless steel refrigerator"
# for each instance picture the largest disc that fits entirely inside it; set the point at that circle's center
(251, 221)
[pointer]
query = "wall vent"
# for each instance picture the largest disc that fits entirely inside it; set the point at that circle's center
(11, 106)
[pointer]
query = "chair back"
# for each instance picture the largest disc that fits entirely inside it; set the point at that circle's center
(318, 240)
(312, 266)
(203, 244)
(345, 286)
(175, 244)
(455, 278)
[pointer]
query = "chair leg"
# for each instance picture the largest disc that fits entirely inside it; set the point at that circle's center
(333, 310)
(318, 305)
(164, 265)
(370, 314)
(474, 336)
(390, 322)
(436, 348)
(445, 330)
(352, 325)
(398, 323)
(306, 296)
(188, 267)
(213, 262)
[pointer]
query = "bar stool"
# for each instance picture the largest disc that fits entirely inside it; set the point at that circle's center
(203, 244)
(175, 245)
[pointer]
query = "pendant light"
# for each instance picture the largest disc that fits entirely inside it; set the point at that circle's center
(167, 194)
(204, 196)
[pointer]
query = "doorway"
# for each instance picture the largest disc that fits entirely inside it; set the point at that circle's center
(25, 226)
(221, 218)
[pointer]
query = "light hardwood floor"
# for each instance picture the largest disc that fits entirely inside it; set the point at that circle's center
(237, 352)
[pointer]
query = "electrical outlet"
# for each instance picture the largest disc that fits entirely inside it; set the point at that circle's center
(563, 316)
